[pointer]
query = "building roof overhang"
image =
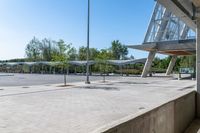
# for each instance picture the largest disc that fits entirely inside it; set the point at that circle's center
(186, 10)
(180, 47)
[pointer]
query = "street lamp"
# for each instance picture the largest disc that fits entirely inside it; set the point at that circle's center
(88, 45)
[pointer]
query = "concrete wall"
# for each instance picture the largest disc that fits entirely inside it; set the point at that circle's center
(172, 117)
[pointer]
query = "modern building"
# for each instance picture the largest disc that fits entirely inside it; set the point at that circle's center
(171, 31)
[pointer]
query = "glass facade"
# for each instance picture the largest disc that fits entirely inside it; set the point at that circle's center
(164, 26)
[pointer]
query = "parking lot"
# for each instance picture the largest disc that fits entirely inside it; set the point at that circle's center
(8, 79)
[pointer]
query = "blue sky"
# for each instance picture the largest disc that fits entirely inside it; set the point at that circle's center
(20, 20)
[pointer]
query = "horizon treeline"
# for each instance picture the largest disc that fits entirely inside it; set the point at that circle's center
(51, 50)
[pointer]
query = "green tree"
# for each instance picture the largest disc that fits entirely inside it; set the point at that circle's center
(73, 54)
(33, 51)
(101, 60)
(63, 55)
(62, 47)
(119, 51)
(160, 65)
(47, 48)
(188, 61)
(82, 53)
(93, 52)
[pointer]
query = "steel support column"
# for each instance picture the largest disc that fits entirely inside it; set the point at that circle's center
(171, 65)
(148, 63)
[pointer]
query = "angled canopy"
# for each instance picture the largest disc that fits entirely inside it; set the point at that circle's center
(179, 47)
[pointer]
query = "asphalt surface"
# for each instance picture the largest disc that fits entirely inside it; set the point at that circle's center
(7, 79)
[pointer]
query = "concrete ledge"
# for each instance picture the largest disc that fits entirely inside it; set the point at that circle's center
(172, 117)
(194, 127)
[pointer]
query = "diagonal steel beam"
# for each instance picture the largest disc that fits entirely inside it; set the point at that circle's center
(180, 11)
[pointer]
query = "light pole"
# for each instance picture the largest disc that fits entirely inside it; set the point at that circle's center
(88, 45)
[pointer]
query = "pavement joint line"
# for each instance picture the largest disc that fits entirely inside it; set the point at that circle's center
(75, 85)
(32, 92)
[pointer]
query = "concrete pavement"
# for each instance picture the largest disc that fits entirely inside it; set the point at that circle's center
(83, 108)
(7, 79)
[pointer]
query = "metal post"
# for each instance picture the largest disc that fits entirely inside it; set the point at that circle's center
(42, 69)
(30, 69)
(121, 67)
(198, 55)
(88, 44)
(75, 70)
(127, 70)
(198, 65)
(65, 77)
(50, 69)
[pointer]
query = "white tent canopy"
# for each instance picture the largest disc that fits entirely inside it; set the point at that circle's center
(77, 63)
(81, 63)
(126, 62)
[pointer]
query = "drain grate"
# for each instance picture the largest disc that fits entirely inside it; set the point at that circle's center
(141, 108)
(25, 87)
